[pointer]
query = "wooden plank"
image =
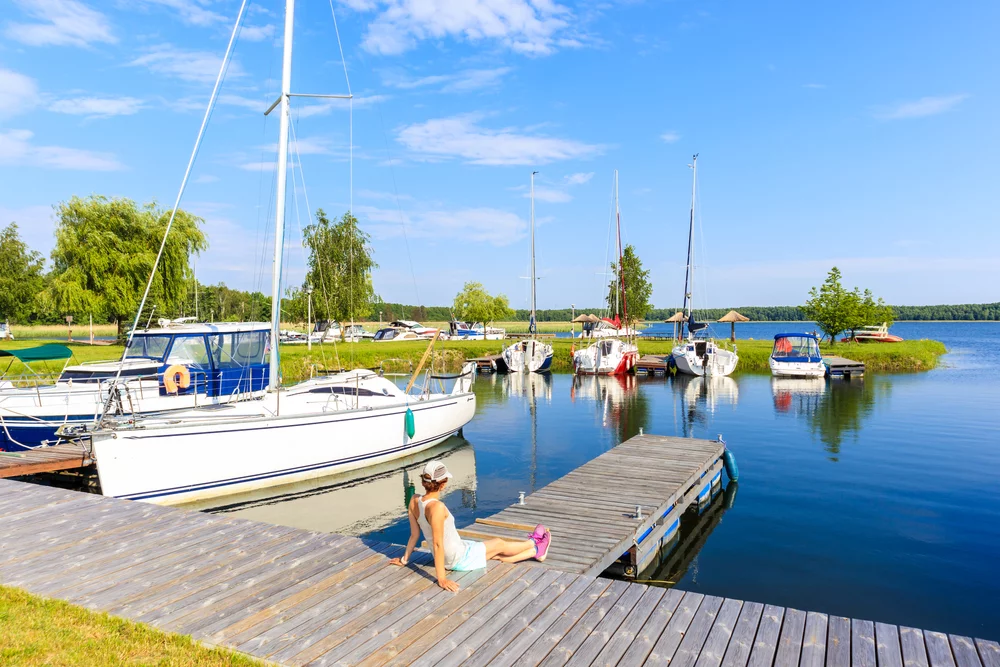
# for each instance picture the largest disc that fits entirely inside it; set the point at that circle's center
(938, 649)
(616, 645)
(814, 640)
(862, 643)
(571, 640)
(766, 642)
(790, 639)
(608, 627)
(672, 635)
(741, 643)
(717, 642)
(697, 633)
(838, 642)
(914, 652)
(652, 628)
(506, 524)
(887, 650)
(964, 650)
(989, 653)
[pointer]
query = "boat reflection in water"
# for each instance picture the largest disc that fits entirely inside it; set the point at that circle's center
(798, 396)
(700, 396)
(619, 402)
(677, 554)
(356, 503)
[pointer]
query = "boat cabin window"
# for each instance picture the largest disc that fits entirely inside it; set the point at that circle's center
(796, 346)
(237, 350)
(700, 349)
(189, 351)
(385, 334)
(147, 347)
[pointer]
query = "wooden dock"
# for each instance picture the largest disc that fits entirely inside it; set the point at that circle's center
(620, 506)
(839, 367)
(296, 597)
(653, 364)
(66, 456)
(487, 364)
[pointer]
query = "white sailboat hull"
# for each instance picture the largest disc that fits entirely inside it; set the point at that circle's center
(177, 463)
(528, 355)
(714, 361)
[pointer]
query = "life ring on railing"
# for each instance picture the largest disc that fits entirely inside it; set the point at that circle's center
(176, 376)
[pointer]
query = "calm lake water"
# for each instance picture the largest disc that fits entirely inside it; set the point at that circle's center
(876, 499)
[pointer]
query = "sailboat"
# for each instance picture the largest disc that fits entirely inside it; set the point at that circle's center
(529, 355)
(319, 427)
(699, 355)
(611, 356)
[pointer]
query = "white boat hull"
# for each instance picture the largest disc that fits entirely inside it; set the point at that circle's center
(173, 464)
(804, 369)
(716, 362)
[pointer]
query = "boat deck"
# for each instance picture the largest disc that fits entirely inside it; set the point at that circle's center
(65, 456)
(626, 501)
(296, 597)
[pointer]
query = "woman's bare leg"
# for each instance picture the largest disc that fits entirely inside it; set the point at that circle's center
(500, 549)
(527, 554)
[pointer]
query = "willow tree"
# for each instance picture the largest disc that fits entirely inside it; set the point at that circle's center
(20, 275)
(340, 268)
(104, 253)
(638, 288)
(475, 304)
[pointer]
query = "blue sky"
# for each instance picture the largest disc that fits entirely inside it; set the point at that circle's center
(857, 134)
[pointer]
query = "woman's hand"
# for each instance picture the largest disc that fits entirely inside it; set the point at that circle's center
(448, 585)
(398, 562)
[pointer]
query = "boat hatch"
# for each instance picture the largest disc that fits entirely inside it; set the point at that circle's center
(701, 348)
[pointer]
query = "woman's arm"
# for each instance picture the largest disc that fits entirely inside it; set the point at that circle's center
(438, 513)
(414, 534)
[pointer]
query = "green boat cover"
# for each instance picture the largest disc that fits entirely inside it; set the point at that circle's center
(48, 352)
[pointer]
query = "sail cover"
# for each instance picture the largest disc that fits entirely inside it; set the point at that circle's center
(695, 326)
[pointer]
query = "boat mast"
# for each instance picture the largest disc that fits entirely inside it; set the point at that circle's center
(279, 218)
(532, 325)
(621, 269)
(689, 274)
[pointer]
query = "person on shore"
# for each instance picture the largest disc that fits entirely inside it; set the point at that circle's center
(428, 515)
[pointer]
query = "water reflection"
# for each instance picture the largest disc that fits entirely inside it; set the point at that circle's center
(618, 399)
(699, 398)
(359, 502)
(834, 408)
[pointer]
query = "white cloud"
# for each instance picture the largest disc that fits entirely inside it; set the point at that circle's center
(60, 23)
(670, 137)
(462, 137)
(196, 66)
(239, 101)
(308, 110)
(206, 178)
(458, 82)
(303, 146)
(257, 33)
(476, 225)
(814, 86)
(100, 107)
(191, 12)
(266, 165)
(550, 195)
(579, 179)
(525, 26)
(925, 106)
(16, 148)
(18, 93)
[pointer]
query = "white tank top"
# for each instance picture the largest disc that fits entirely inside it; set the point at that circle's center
(454, 549)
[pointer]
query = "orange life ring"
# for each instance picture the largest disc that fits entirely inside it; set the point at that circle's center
(176, 376)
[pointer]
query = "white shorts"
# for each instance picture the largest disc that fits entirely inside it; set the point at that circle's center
(473, 559)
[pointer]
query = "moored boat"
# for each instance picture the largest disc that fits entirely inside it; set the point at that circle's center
(796, 355)
(874, 334)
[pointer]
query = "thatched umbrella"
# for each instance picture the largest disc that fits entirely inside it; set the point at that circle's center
(582, 317)
(733, 317)
(677, 319)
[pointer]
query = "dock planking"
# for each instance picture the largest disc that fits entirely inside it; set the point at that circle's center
(65, 456)
(298, 597)
(591, 512)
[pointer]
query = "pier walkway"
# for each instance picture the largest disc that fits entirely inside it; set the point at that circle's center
(296, 597)
(624, 503)
(66, 456)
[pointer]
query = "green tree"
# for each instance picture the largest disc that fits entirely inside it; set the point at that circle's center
(638, 288)
(340, 268)
(20, 275)
(104, 253)
(835, 309)
(475, 304)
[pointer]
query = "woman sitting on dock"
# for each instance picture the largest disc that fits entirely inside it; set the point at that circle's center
(429, 516)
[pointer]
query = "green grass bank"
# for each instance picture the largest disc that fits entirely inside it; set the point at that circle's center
(38, 631)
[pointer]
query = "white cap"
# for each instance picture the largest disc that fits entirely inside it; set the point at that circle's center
(435, 471)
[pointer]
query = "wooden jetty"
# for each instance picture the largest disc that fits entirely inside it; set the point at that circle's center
(65, 456)
(620, 506)
(296, 597)
(839, 367)
(653, 364)
(488, 363)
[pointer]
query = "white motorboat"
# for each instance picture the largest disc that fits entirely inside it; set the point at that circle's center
(325, 425)
(610, 355)
(699, 355)
(473, 331)
(796, 355)
(529, 355)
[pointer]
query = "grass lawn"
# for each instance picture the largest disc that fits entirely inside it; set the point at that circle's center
(39, 631)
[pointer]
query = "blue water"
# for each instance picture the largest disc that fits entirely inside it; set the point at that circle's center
(877, 499)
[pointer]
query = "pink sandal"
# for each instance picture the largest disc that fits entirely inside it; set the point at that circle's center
(543, 540)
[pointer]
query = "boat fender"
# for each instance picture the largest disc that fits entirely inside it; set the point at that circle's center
(176, 376)
(729, 461)
(411, 426)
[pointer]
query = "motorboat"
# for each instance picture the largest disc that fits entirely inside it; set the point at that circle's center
(415, 327)
(473, 331)
(326, 425)
(615, 352)
(355, 333)
(874, 334)
(396, 335)
(796, 355)
(699, 354)
(530, 355)
(179, 366)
